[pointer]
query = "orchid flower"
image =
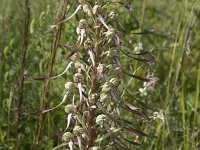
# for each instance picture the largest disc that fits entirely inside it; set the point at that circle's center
(70, 110)
(78, 131)
(81, 30)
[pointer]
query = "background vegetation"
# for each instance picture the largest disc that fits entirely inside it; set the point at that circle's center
(175, 40)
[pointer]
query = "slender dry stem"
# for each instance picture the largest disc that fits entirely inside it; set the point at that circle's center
(25, 37)
(44, 99)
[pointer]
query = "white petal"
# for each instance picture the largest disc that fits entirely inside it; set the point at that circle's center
(82, 35)
(70, 145)
(92, 57)
(80, 91)
(79, 142)
(69, 117)
(103, 21)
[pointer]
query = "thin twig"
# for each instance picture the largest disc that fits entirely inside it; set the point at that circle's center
(44, 99)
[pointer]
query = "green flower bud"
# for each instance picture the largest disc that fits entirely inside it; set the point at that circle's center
(87, 10)
(110, 67)
(75, 57)
(88, 44)
(82, 24)
(78, 77)
(115, 130)
(69, 86)
(109, 34)
(113, 15)
(101, 67)
(100, 119)
(106, 87)
(78, 130)
(115, 81)
(103, 97)
(92, 97)
(95, 9)
(138, 48)
(117, 70)
(83, 2)
(70, 108)
(95, 148)
(67, 136)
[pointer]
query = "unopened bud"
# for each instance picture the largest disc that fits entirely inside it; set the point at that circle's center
(115, 81)
(112, 52)
(88, 44)
(70, 108)
(101, 67)
(87, 10)
(117, 70)
(69, 86)
(106, 87)
(103, 97)
(92, 97)
(113, 15)
(95, 9)
(78, 130)
(100, 119)
(67, 136)
(78, 77)
(82, 24)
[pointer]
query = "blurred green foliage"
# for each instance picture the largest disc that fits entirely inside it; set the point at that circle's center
(175, 40)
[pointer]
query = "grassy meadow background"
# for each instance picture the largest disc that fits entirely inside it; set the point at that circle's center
(176, 43)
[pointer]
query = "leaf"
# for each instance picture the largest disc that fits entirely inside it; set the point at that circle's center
(120, 143)
(134, 110)
(145, 32)
(137, 132)
(132, 142)
(137, 77)
(141, 52)
(140, 102)
(138, 59)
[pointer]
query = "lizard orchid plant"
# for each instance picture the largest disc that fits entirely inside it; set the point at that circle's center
(94, 114)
